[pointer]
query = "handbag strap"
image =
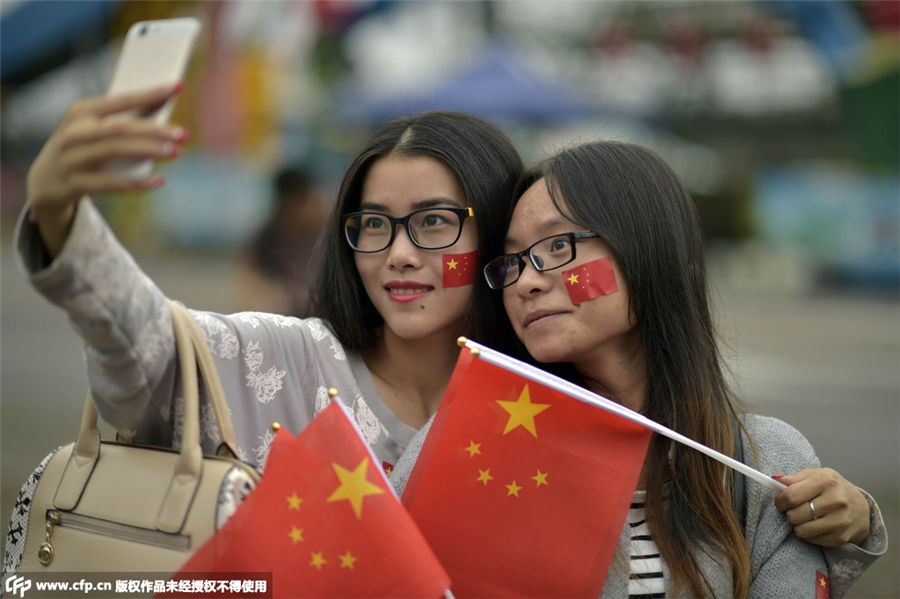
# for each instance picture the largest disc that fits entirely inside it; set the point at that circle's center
(193, 351)
(210, 376)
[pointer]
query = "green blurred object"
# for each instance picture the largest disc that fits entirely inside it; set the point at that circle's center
(871, 108)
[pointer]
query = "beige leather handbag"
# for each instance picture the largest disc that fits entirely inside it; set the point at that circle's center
(108, 506)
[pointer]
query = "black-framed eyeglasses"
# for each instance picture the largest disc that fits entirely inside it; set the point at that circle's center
(546, 254)
(428, 228)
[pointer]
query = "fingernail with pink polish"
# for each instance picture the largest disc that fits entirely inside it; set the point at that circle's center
(778, 476)
(180, 135)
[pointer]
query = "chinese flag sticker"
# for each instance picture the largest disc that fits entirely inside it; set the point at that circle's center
(459, 269)
(591, 279)
(823, 587)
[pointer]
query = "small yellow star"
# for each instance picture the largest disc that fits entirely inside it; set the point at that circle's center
(473, 448)
(522, 412)
(822, 581)
(348, 560)
(294, 502)
(540, 478)
(452, 264)
(388, 469)
(573, 279)
(513, 489)
(317, 561)
(296, 534)
(484, 476)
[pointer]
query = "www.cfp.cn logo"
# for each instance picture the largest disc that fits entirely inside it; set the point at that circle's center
(17, 585)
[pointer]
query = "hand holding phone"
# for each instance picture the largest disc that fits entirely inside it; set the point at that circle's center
(154, 53)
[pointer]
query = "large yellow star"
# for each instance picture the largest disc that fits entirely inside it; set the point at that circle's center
(573, 278)
(296, 534)
(484, 476)
(316, 560)
(348, 560)
(294, 502)
(452, 264)
(354, 486)
(522, 412)
(473, 448)
(540, 478)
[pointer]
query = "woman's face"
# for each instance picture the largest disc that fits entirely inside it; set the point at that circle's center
(555, 323)
(418, 292)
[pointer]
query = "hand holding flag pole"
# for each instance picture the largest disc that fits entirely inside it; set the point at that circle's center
(582, 394)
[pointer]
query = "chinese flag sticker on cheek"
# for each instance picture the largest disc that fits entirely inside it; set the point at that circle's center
(823, 587)
(459, 269)
(590, 280)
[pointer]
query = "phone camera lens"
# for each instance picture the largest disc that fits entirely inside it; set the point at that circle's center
(143, 30)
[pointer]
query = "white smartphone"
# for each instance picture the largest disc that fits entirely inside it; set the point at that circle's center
(154, 53)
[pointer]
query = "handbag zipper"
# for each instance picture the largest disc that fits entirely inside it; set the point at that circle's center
(125, 532)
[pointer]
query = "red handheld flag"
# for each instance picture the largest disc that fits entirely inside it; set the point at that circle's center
(823, 586)
(521, 489)
(326, 523)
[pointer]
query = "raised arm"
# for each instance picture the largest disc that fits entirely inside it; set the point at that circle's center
(74, 260)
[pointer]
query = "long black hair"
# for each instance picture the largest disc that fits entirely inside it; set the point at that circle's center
(487, 166)
(639, 207)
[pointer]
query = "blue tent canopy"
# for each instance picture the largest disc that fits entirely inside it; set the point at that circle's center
(496, 87)
(33, 31)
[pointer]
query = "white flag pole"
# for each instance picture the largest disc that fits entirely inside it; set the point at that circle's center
(545, 378)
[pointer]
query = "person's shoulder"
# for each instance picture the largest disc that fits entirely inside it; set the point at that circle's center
(779, 444)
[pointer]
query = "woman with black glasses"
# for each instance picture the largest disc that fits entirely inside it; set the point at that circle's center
(604, 274)
(399, 270)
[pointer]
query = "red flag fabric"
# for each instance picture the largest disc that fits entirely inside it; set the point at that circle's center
(459, 269)
(325, 522)
(589, 280)
(823, 586)
(521, 489)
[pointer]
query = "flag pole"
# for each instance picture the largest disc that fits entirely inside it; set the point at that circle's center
(545, 378)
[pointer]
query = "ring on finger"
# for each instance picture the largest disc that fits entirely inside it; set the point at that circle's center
(812, 509)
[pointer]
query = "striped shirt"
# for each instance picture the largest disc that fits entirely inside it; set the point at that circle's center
(646, 580)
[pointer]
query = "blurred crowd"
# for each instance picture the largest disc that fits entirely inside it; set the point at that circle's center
(782, 116)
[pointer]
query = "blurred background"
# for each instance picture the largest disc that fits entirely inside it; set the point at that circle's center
(782, 117)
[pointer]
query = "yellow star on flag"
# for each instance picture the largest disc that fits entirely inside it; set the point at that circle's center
(316, 560)
(296, 534)
(522, 412)
(473, 448)
(573, 279)
(540, 478)
(484, 476)
(294, 502)
(452, 264)
(348, 560)
(822, 581)
(513, 489)
(354, 486)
